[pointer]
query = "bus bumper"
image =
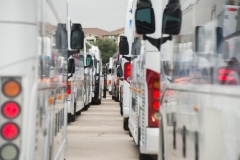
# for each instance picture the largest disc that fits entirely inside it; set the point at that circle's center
(151, 143)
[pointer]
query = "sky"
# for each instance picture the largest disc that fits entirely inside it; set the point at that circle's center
(104, 14)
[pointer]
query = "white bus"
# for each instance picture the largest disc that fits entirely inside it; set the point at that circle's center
(115, 80)
(96, 75)
(33, 80)
(200, 104)
(109, 75)
(75, 84)
(126, 43)
(145, 75)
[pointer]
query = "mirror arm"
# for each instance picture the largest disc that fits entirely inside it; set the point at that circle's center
(70, 76)
(157, 42)
(129, 59)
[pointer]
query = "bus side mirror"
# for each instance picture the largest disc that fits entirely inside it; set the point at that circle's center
(109, 71)
(61, 36)
(88, 62)
(123, 46)
(71, 66)
(145, 20)
(119, 71)
(77, 37)
(172, 18)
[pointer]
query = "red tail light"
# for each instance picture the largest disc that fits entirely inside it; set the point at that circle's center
(231, 9)
(225, 71)
(69, 89)
(226, 76)
(127, 71)
(10, 131)
(105, 82)
(153, 83)
(10, 110)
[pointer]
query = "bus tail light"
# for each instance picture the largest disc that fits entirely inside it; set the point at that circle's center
(10, 131)
(11, 88)
(110, 82)
(153, 84)
(11, 102)
(9, 148)
(10, 109)
(226, 76)
(232, 9)
(69, 89)
(127, 71)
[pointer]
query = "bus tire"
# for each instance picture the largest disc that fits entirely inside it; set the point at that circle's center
(74, 114)
(130, 134)
(78, 113)
(100, 101)
(116, 99)
(125, 124)
(85, 108)
(69, 118)
(144, 156)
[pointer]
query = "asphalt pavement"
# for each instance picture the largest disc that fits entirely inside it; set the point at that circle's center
(97, 134)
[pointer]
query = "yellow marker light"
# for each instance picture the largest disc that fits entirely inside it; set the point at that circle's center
(11, 88)
(51, 100)
(65, 94)
(156, 84)
(196, 108)
(59, 96)
(135, 89)
(139, 91)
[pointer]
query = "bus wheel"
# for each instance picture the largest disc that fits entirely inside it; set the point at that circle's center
(69, 118)
(85, 108)
(78, 113)
(125, 124)
(99, 101)
(74, 114)
(130, 134)
(144, 156)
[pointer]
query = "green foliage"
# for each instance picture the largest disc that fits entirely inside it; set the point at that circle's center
(107, 49)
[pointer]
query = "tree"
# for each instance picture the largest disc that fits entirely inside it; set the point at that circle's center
(107, 49)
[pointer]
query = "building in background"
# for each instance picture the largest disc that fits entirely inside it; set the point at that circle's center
(93, 34)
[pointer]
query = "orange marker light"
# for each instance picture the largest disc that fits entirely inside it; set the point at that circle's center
(65, 94)
(59, 96)
(139, 91)
(11, 88)
(51, 100)
(156, 84)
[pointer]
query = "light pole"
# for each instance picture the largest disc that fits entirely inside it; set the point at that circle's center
(114, 45)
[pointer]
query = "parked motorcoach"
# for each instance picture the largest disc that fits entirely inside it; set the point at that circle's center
(75, 82)
(33, 79)
(109, 75)
(199, 105)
